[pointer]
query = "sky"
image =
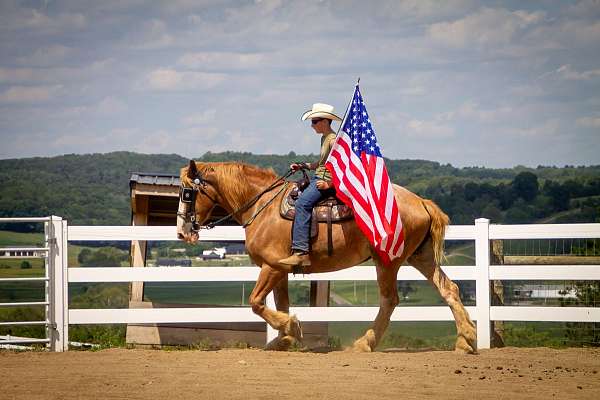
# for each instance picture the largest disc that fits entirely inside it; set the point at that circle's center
(465, 82)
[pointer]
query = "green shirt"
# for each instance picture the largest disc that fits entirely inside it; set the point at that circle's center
(326, 143)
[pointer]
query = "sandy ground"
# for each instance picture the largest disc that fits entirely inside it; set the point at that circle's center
(509, 373)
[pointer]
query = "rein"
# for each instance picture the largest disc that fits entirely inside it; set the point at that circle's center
(188, 195)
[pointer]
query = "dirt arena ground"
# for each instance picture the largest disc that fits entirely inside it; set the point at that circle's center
(509, 373)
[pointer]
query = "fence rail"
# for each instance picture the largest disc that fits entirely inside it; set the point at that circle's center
(482, 273)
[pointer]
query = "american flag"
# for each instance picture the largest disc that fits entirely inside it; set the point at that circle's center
(362, 182)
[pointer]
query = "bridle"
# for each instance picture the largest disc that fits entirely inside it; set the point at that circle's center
(188, 196)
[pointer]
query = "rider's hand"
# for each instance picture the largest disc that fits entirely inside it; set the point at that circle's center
(301, 165)
(324, 185)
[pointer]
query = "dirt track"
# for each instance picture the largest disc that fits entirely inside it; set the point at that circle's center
(508, 373)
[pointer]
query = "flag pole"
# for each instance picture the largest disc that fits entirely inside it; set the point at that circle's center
(347, 108)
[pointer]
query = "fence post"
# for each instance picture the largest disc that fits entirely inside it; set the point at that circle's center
(270, 302)
(482, 290)
(59, 314)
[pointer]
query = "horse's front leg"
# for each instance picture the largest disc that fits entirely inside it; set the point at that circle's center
(288, 327)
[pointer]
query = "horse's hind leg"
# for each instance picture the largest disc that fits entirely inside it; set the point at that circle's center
(424, 261)
(388, 300)
(289, 328)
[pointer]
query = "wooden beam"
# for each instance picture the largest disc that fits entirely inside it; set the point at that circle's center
(138, 247)
(551, 260)
(319, 293)
(154, 190)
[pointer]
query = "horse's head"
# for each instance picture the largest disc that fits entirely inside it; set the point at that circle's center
(197, 199)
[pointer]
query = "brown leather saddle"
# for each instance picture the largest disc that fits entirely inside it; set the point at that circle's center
(329, 210)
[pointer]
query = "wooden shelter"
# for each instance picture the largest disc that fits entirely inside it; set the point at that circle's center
(154, 201)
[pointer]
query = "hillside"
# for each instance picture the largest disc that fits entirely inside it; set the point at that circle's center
(93, 188)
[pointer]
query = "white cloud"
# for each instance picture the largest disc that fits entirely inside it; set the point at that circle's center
(200, 118)
(471, 111)
(420, 9)
(221, 60)
(585, 8)
(110, 106)
(567, 72)
(591, 122)
(46, 56)
(59, 74)
(429, 129)
(486, 27)
(29, 94)
(527, 90)
(153, 35)
(170, 79)
(550, 127)
(17, 75)
(31, 20)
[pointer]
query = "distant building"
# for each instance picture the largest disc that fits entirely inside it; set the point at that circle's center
(216, 253)
(21, 253)
(173, 262)
(236, 248)
(543, 292)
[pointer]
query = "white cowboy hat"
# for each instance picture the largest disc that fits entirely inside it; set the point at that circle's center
(320, 110)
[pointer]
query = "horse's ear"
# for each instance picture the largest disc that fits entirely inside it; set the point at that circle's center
(192, 171)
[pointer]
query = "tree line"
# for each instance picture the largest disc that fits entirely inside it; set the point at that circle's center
(93, 189)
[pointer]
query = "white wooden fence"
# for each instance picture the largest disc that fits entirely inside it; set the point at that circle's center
(481, 232)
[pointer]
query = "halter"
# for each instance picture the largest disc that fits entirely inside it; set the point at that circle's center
(188, 195)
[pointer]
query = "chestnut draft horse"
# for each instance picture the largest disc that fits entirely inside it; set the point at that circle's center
(233, 185)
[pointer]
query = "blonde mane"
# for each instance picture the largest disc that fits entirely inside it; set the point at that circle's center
(235, 181)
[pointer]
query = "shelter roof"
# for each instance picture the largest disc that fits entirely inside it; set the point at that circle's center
(149, 178)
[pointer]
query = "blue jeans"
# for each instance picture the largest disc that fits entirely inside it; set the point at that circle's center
(304, 206)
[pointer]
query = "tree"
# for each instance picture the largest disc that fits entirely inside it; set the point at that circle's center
(526, 185)
(559, 195)
(492, 213)
(472, 191)
(84, 256)
(25, 265)
(105, 257)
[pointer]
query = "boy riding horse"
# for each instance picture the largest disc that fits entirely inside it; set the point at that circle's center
(321, 116)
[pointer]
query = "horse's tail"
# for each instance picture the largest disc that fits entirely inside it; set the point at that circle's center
(437, 229)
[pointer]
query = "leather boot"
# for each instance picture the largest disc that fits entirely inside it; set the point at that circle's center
(297, 258)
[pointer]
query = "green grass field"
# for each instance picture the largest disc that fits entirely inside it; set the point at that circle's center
(8, 238)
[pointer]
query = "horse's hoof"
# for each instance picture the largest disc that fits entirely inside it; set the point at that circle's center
(465, 346)
(282, 343)
(293, 328)
(365, 344)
